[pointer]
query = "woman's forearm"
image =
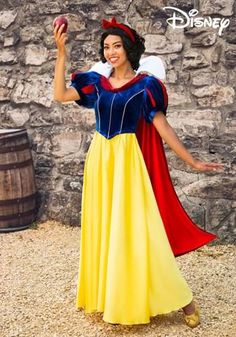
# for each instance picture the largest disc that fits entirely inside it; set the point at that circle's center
(170, 137)
(59, 77)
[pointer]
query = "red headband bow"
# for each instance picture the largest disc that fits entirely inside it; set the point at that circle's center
(107, 24)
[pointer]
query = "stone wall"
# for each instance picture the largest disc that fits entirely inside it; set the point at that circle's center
(200, 80)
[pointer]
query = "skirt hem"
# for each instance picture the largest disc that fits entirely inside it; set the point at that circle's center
(135, 323)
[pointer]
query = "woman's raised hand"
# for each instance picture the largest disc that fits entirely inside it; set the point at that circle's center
(60, 38)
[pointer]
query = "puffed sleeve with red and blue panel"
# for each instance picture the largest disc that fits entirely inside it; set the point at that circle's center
(155, 98)
(85, 84)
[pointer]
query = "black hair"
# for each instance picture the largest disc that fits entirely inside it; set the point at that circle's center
(134, 50)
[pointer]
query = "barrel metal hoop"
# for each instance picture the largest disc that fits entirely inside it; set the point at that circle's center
(16, 165)
(13, 137)
(19, 200)
(14, 148)
(17, 215)
(13, 134)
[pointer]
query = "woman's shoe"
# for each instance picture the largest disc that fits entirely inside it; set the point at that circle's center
(193, 320)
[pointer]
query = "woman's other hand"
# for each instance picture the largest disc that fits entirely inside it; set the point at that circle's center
(204, 166)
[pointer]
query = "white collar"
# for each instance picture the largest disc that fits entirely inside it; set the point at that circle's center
(152, 65)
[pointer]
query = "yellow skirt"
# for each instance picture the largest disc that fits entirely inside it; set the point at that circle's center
(127, 269)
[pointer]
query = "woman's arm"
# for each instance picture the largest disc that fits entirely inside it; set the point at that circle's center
(170, 137)
(61, 93)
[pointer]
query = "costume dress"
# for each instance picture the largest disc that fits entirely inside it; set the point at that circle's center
(127, 267)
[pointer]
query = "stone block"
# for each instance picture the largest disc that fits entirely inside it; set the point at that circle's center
(41, 141)
(35, 55)
(212, 188)
(230, 33)
(230, 57)
(222, 7)
(11, 40)
(19, 117)
(69, 142)
(5, 94)
(8, 56)
(72, 167)
(204, 40)
(178, 96)
(194, 60)
(202, 77)
(160, 45)
(32, 34)
(36, 89)
(221, 218)
(223, 144)
(195, 125)
(73, 184)
(65, 207)
(214, 95)
(7, 18)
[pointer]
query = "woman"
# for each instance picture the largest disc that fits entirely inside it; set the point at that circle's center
(128, 269)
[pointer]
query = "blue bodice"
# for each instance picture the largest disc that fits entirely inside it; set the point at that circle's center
(118, 110)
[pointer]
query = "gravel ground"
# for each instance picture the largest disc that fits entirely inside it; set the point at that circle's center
(39, 279)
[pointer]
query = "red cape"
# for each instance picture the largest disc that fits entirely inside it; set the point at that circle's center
(184, 235)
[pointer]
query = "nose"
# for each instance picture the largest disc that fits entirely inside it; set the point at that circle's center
(111, 51)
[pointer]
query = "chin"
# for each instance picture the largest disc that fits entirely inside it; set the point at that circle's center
(117, 65)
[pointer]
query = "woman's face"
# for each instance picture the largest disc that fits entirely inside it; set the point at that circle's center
(114, 51)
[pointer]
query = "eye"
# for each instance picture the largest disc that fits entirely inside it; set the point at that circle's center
(117, 46)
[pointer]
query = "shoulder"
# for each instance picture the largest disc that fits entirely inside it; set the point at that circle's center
(151, 82)
(92, 76)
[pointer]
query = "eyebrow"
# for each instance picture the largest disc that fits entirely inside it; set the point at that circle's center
(107, 44)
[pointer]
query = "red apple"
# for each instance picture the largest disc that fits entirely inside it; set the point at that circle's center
(60, 20)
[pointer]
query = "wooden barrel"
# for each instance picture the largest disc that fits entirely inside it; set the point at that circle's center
(17, 181)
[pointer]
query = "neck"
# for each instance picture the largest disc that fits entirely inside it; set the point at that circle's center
(123, 72)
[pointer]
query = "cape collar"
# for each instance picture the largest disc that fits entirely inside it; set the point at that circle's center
(151, 65)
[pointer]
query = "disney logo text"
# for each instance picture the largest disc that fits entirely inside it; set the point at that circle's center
(189, 20)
